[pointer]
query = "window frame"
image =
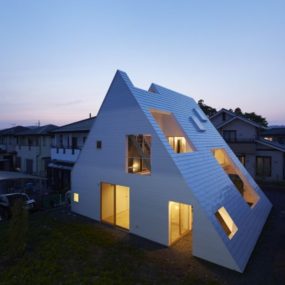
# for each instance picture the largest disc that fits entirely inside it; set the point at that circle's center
(263, 157)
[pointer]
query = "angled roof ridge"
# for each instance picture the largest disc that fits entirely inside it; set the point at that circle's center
(159, 89)
(125, 77)
(13, 130)
(73, 123)
(275, 145)
(223, 110)
(41, 130)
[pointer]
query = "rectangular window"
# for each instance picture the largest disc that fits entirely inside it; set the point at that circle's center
(263, 166)
(241, 158)
(76, 197)
(237, 178)
(139, 151)
(230, 136)
(172, 131)
(98, 144)
(226, 222)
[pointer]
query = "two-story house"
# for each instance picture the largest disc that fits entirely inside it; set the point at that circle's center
(8, 143)
(154, 165)
(33, 150)
(67, 143)
(264, 159)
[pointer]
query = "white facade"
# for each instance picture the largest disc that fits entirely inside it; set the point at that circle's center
(192, 178)
(34, 156)
(67, 146)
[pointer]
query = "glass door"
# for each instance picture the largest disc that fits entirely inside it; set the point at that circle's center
(115, 205)
(180, 220)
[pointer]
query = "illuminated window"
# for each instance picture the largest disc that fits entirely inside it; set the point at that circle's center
(139, 151)
(226, 222)
(238, 179)
(115, 205)
(180, 220)
(172, 131)
(76, 197)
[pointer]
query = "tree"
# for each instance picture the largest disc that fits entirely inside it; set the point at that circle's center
(238, 111)
(208, 110)
(256, 118)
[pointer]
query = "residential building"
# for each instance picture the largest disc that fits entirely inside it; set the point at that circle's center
(8, 143)
(67, 143)
(33, 150)
(154, 165)
(274, 134)
(263, 158)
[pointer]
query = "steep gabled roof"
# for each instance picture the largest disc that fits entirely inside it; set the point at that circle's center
(235, 117)
(43, 130)
(208, 182)
(79, 126)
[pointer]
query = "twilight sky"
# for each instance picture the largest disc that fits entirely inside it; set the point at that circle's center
(57, 58)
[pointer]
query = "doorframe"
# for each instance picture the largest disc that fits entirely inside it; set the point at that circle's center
(114, 207)
(170, 243)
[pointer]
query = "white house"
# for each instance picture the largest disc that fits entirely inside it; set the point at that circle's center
(8, 143)
(68, 140)
(33, 149)
(154, 165)
(258, 148)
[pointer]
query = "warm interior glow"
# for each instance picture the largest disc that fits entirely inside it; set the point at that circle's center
(76, 197)
(238, 179)
(180, 220)
(115, 205)
(172, 131)
(226, 222)
(139, 151)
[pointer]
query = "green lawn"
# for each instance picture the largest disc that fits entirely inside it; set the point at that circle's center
(67, 249)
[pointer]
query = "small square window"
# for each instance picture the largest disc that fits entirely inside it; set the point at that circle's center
(76, 197)
(226, 222)
(99, 144)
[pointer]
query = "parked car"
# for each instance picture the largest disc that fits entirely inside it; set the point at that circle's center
(7, 201)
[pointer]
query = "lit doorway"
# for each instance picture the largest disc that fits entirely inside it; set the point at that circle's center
(180, 220)
(115, 205)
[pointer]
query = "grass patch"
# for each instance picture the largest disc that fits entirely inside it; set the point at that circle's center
(64, 249)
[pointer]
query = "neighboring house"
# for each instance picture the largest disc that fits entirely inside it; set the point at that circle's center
(275, 134)
(154, 165)
(264, 159)
(67, 143)
(8, 143)
(33, 150)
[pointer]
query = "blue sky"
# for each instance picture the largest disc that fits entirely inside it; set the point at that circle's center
(57, 58)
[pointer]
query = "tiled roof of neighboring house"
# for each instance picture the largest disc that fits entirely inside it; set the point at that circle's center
(13, 130)
(80, 126)
(274, 145)
(44, 130)
(274, 132)
(235, 117)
